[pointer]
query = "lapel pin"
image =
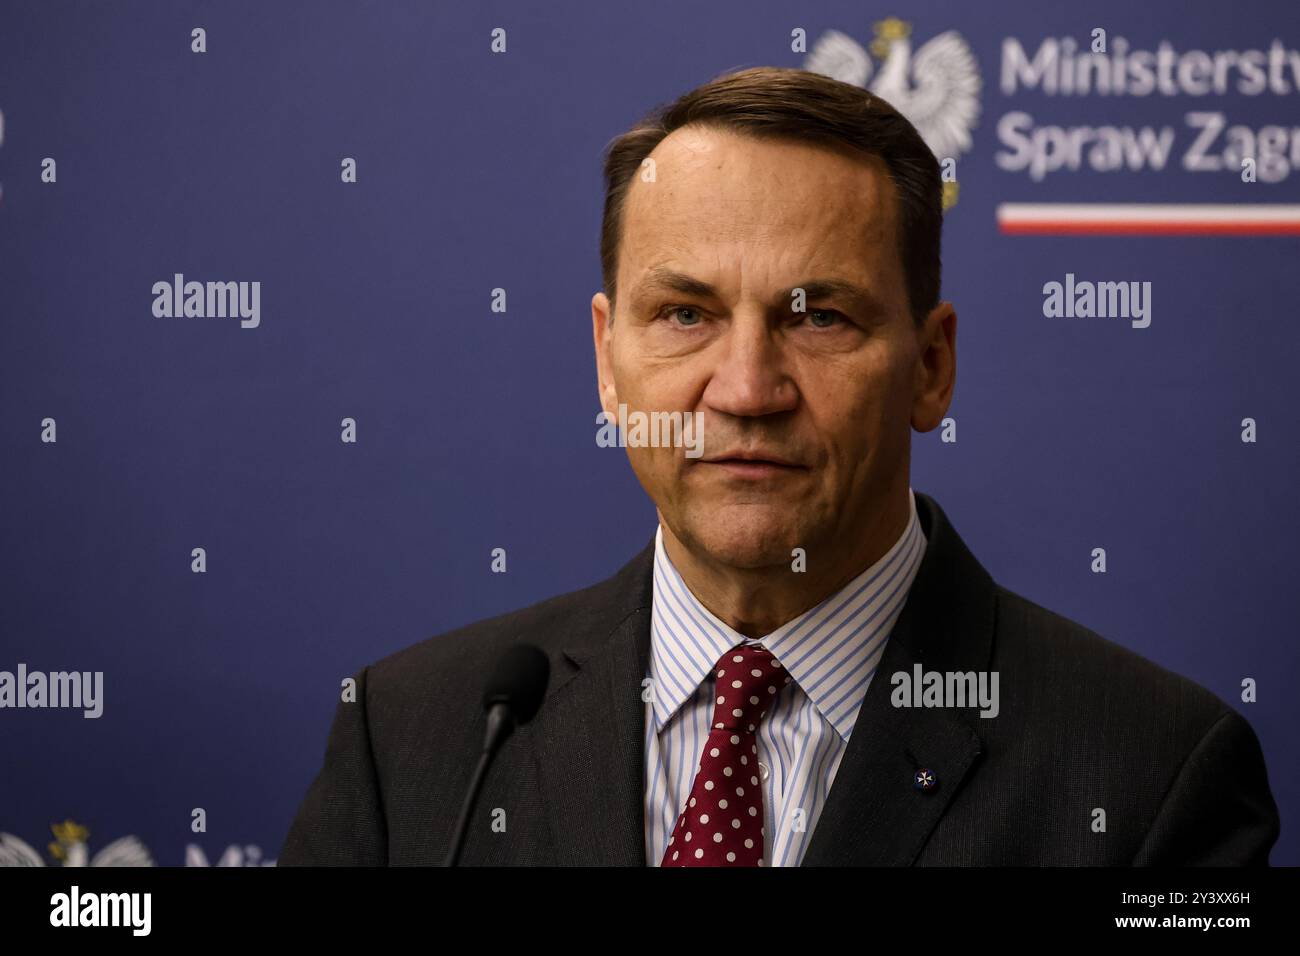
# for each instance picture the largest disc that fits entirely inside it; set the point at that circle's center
(924, 780)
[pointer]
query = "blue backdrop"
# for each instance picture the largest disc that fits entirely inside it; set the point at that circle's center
(479, 170)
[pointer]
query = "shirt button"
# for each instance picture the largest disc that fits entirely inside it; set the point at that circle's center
(763, 771)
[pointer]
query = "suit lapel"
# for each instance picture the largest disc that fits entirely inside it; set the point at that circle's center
(589, 734)
(874, 815)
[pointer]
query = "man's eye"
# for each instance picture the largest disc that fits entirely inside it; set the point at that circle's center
(686, 316)
(824, 318)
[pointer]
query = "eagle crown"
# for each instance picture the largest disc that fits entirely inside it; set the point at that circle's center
(887, 31)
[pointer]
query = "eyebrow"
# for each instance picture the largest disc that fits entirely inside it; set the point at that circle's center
(671, 280)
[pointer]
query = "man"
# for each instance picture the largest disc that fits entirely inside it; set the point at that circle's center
(741, 692)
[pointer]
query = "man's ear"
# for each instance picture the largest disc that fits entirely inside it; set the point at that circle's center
(936, 367)
(602, 320)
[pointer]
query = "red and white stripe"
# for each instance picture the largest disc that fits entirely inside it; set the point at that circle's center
(1149, 219)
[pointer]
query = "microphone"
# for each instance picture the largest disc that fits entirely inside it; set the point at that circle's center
(513, 697)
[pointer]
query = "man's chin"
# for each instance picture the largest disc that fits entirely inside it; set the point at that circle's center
(741, 543)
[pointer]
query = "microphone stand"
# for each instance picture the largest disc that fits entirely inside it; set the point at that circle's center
(500, 724)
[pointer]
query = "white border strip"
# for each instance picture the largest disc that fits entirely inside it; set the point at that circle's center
(1147, 212)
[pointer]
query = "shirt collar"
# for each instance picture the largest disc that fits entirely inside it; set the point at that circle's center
(830, 650)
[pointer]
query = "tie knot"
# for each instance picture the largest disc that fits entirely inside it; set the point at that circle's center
(748, 680)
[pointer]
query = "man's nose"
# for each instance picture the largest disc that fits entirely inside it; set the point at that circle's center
(750, 377)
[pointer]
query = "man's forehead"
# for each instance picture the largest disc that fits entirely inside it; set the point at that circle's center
(719, 193)
(736, 171)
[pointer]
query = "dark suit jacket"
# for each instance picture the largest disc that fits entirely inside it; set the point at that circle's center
(1083, 724)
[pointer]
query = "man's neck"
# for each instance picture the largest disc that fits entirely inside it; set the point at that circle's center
(756, 601)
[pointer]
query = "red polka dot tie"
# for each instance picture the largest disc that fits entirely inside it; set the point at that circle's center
(722, 822)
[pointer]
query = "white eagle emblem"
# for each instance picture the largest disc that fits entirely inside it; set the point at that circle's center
(69, 847)
(940, 97)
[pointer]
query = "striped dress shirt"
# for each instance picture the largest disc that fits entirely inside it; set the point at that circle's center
(831, 652)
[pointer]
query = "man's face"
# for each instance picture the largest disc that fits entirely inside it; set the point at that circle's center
(806, 415)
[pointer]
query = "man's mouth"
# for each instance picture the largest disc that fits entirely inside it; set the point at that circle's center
(758, 465)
